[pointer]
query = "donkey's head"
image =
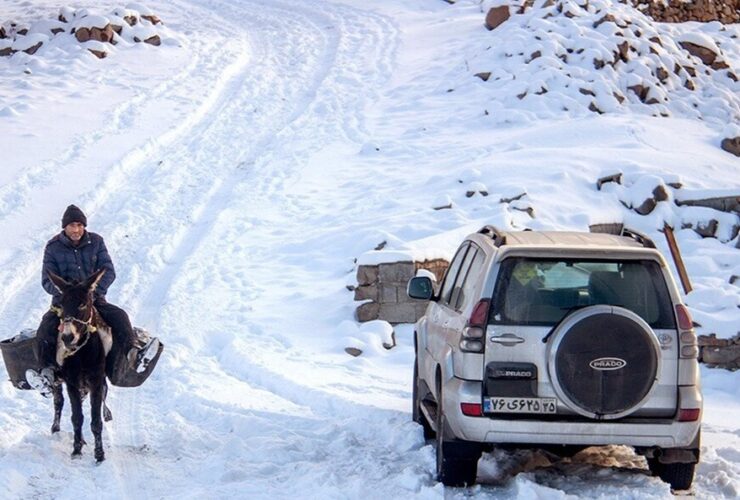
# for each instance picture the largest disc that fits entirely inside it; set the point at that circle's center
(76, 311)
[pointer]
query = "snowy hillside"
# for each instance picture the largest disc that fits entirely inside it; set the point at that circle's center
(238, 169)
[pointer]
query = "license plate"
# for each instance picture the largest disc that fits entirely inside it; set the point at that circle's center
(519, 405)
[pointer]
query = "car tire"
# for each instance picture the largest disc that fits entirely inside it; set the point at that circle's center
(457, 461)
(604, 392)
(678, 475)
(416, 413)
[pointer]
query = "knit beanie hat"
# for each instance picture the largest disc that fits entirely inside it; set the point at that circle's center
(73, 214)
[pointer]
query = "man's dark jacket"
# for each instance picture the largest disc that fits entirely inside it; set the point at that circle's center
(71, 262)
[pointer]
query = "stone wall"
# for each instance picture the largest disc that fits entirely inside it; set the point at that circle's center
(720, 353)
(384, 285)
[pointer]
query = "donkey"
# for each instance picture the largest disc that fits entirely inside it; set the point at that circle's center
(83, 342)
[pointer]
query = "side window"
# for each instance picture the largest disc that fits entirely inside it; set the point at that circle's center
(471, 278)
(455, 297)
(451, 275)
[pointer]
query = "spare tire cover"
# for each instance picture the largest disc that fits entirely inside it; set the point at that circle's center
(604, 361)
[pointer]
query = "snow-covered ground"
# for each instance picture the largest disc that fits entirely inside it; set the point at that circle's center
(239, 169)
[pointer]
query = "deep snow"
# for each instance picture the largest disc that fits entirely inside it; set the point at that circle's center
(238, 170)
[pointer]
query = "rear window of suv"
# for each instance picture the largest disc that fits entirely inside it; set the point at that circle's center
(543, 291)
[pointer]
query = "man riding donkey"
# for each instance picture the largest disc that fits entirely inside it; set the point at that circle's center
(74, 254)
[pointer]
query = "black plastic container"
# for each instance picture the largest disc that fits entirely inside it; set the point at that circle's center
(19, 354)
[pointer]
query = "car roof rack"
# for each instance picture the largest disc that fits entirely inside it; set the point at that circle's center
(497, 236)
(639, 237)
(619, 229)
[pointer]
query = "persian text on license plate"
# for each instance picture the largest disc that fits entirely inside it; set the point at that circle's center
(519, 405)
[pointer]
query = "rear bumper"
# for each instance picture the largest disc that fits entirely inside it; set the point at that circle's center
(663, 433)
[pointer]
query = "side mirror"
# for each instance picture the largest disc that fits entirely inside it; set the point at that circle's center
(420, 287)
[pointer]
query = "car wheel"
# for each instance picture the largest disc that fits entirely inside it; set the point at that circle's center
(416, 413)
(679, 476)
(457, 461)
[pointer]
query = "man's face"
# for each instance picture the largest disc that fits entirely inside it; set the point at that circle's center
(74, 231)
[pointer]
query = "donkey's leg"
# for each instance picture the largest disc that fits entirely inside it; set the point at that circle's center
(107, 415)
(58, 405)
(75, 401)
(96, 423)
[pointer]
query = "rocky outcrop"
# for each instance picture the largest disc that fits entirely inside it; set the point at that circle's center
(86, 28)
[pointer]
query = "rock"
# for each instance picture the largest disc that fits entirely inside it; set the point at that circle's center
(33, 48)
(367, 312)
(100, 54)
(353, 351)
(727, 357)
(367, 275)
(609, 178)
(2, 33)
(623, 54)
(496, 16)
(154, 40)
(707, 229)
(662, 74)
(104, 35)
(712, 340)
(396, 272)
(660, 193)
(398, 313)
(731, 145)
(513, 198)
(734, 279)
(82, 35)
(7, 51)
(131, 20)
(606, 19)
(646, 207)
(707, 56)
(640, 91)
(366, 292)
(484, 75)
(607, 228)
(152, 19)
(729, 203)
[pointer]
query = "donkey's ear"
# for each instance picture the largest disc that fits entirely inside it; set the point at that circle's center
(94, 279)
(58, 281)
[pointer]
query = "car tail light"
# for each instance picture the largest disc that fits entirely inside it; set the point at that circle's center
(689, 414)
(684, 318)
(473, 335)
(687, 336)
(472, 409)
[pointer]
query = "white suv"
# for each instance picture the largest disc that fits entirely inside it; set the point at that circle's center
(560, 340)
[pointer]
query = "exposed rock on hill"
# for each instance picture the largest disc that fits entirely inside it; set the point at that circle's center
(603, 57)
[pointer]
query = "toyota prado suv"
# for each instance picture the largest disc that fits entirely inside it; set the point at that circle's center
(561, 341)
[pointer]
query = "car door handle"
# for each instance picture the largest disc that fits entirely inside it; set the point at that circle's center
(507, 339)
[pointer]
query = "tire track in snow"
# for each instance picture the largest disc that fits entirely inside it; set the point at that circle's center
(264, 184)
(26, 263)
(205, 214)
